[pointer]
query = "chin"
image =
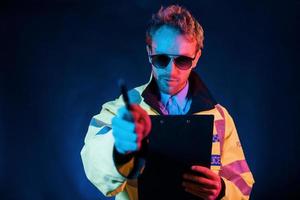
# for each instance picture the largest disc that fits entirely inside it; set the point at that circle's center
(174, 91)
(170, 90)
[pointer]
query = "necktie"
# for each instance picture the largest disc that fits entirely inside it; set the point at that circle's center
(172, 106)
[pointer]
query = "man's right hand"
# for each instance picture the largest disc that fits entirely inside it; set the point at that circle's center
(129, 128)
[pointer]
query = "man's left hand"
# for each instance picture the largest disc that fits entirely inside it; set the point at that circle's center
(208, 186)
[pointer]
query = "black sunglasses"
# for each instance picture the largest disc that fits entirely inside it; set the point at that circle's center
(162, 60)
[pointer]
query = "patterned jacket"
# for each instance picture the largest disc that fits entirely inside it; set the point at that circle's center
(227, 157)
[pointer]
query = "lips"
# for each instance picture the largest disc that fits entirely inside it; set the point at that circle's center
(169, 79)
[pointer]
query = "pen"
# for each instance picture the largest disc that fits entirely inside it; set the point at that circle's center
(124, 93)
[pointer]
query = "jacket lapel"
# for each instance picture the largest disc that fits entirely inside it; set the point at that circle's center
(202, 99)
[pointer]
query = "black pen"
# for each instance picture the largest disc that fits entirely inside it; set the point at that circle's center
(125, 94)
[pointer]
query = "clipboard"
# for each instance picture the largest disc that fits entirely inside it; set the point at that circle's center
(176, 142)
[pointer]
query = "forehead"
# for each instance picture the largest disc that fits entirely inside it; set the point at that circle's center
(169, 41)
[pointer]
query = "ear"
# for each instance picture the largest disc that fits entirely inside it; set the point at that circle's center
(149, 52)
(198, 55)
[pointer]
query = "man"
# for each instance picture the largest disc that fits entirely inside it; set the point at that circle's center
(174, 45)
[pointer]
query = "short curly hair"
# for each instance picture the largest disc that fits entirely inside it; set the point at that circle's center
(179, 18)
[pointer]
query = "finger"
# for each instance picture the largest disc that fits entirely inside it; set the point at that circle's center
(142, 117)
(121, 134)
(196, 193)
(123, 124)
(124, 147)
(200, 194)
(197, 187)
(139, 129)
(124, 113)
(200, 180)
(204, 170)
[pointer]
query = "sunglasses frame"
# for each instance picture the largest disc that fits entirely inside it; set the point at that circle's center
(172, 58)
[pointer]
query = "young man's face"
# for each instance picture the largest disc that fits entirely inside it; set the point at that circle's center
(169, 41)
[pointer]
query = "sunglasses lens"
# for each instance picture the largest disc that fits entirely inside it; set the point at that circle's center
(160, 61)
(183, 62)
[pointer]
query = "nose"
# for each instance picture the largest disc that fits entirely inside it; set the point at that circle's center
(171, 66)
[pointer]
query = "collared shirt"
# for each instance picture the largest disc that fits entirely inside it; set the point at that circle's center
(180, 99)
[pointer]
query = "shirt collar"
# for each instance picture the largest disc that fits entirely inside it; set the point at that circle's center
(180, 97)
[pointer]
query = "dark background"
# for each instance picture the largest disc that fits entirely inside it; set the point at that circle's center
(60, 61)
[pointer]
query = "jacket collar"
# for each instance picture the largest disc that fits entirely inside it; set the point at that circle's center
(201, 97)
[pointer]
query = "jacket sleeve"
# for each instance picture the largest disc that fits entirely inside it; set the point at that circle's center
(234, 171)
(98, 156)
